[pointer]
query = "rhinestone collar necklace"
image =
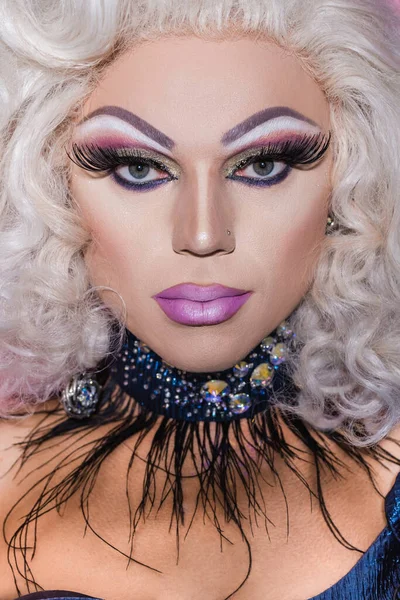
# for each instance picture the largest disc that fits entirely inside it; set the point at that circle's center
(238, 392)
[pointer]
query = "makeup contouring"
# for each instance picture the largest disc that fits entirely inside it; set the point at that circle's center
(261, 117)
(273, 119)
(115, 127)
(137, 122)
(112, 136)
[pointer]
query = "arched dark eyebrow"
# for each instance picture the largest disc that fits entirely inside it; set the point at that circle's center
(135, 121)
(230, 136)
(261, 117)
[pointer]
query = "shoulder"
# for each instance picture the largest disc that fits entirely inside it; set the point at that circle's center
(389, 468)
(391, 444)
(13, 431)
(15, 482)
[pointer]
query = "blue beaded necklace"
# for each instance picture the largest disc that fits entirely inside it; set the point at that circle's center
(239, 392)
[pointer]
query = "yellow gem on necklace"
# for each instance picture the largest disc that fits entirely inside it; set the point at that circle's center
(239, 403)
(143, 347)
(215, 390)
(262, 375)
(241, 369)
(267, 343)
(278, 354)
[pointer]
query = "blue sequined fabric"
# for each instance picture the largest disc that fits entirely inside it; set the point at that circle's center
(376, 575)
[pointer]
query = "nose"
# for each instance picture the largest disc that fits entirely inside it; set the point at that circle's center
(203, 219)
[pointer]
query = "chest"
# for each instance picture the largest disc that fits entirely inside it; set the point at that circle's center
(292, 555)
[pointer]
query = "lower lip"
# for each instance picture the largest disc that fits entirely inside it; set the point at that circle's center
(188, 312)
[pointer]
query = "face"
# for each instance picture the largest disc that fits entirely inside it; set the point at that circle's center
(203, 175)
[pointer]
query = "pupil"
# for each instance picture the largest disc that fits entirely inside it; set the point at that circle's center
(263, 167)
(139, 170)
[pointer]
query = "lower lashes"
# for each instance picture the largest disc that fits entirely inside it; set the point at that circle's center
(138, 186)
(254, 182)
(262, 182)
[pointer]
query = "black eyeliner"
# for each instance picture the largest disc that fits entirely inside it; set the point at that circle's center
(96, 159)
(305, 150)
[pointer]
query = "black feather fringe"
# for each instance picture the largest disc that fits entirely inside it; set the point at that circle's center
(226, 457)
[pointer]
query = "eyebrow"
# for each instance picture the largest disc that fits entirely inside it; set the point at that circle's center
(140, 124)
(262, 117)
(230, 136)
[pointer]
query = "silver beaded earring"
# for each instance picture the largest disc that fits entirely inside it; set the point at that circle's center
(81, 396)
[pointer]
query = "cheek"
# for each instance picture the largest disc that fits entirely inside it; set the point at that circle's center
(302, 243)
(106, 258)
(290, 237)
(278, 233)
(117, 250)
(119, 263)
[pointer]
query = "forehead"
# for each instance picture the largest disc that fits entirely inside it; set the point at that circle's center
(192, 88)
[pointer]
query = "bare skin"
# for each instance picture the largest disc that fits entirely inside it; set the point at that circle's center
(194, 92)
(300, 567)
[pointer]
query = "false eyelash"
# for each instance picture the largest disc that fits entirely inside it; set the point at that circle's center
(302, 151)
(97, 160)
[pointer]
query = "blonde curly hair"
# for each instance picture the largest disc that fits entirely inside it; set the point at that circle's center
(53, 324)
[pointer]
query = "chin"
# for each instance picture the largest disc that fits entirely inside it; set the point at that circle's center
(202, 365)
(204, 349)
(200, 358)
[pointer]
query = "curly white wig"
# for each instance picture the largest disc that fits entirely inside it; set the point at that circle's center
(53, 325)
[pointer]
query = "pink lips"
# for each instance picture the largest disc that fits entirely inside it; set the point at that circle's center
(192, 304)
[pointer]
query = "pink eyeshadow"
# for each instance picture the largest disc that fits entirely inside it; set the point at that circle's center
(111, 140)
(277, 139)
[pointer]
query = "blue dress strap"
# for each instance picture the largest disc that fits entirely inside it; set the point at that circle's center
(392, 508)
(376, 575)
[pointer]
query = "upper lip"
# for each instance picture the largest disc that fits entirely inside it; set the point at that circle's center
(199, 293)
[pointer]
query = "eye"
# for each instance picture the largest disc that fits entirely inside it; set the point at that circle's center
(140, 173)
(261, 172)
(273, 162)
(136, 169)
(262, 169)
